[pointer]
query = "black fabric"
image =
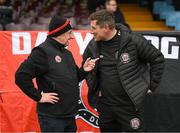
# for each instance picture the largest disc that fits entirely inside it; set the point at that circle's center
(161, 112)
(109, 83)
(55, 70)
(139, 52)
(161, 108)
(118, 118)
(56, 22)
(49, 124)
(169, 84)
(34, 65)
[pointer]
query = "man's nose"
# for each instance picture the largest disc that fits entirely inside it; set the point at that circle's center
(92, 32)
(71, 36)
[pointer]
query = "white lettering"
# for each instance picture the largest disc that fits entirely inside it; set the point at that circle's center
(154, 40)
(41, 37)
(92, 119)
(169, 51)
(16, 42)
(82, 44)
(97, 122)
(165, 48)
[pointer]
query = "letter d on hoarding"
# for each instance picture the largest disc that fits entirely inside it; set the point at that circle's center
(16, 43)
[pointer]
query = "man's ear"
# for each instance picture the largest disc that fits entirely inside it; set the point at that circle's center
(106, 27)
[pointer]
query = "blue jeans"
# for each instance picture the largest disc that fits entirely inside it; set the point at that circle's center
(54, 124)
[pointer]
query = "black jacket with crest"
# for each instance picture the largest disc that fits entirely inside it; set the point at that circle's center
(140, 72)
(55, 71)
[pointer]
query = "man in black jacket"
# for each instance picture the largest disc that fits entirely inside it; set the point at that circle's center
(57, 78)
(118, 84)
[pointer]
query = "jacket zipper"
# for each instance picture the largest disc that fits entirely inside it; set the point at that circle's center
(120, 75)
(96, 55)
(53, 83)
(118, 72)
(127, 91)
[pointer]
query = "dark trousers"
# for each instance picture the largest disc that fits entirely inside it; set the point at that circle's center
(54, 124)
(119, 119)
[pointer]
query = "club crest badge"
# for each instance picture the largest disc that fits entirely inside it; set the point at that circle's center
(125, 58)
(135, 123)
(58, 59)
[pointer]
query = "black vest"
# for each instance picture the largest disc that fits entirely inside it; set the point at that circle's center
(61, 78)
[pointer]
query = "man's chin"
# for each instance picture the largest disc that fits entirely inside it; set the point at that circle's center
(95, 39)
(66, 44)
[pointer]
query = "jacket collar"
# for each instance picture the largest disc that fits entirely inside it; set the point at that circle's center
(124, 33)
(55, 43)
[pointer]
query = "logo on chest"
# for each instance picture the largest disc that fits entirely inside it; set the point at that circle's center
(58, 59)
(135, 123)
(125, 58)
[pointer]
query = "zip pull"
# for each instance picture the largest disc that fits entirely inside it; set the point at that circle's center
(53, 83)
(116, 55)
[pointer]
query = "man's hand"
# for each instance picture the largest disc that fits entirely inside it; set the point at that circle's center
(49, 98)
(89, 64)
